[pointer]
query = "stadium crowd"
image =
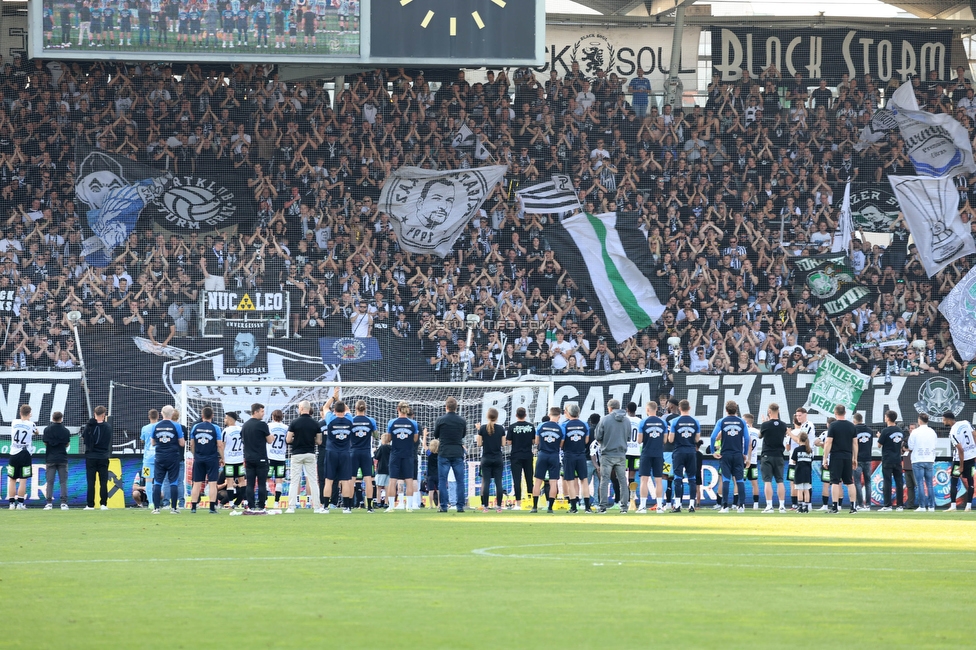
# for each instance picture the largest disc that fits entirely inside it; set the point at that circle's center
(715, 186)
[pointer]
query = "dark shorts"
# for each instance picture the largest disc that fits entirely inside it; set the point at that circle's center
(574, 467)
(95, 27)
(21, 465)
(771, 466)
(841, 469)
(276, 469)
(751, 473)
(652, 466)
(166, 470)
(234, 471)
(685, 464)
(184, 28)
(733, 467)
(547, 463)
(963, 469)
(205, 469)
(491, 468)
(401, 468)
(361, 461)
(632, 463)
(338, 466)
(309, 29)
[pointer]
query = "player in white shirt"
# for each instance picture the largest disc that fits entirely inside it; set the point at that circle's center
(233, 458)
(961, 437)
(633, 451)
(802, 425)
(752, 472)
(21, 467)
(276, 452)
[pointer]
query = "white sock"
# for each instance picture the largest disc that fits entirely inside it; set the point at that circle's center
(659, 503)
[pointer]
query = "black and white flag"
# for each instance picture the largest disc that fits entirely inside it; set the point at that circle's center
(959, 308)
(430, 208)
(463, 138)
(556, 196)
(931, 209)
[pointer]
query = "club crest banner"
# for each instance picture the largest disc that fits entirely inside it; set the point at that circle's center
(874, 207)
(831, 282)
(429, 208)
(117, 194)
(959, 308)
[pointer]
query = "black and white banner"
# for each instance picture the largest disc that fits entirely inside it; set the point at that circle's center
(959, 308)
(592, 393)
(832, 283)
(429, 208)
(556, 196)
(907, 396)
(830, 53)
(46, 392)
(931, 209)
(874, 206)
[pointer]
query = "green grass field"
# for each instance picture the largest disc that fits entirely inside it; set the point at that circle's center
(515, 580)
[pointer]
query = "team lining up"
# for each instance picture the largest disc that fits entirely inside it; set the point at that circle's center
(599, 457)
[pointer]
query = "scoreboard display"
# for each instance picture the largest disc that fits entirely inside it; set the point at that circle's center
(470, 33)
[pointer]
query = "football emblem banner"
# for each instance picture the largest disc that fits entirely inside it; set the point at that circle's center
(931, 209)
(430, 208)
(836, 384)
(116, 194)
(349, 349)
(959, 308)
(831, 282)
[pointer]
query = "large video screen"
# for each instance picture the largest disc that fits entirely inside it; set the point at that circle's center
(235, 30)
(432, 32)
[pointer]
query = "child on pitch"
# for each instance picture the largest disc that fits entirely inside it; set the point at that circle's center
(382, 458)
(801, 472)
(432, 476)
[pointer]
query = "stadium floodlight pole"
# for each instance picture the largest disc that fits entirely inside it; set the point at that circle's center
(73, 317)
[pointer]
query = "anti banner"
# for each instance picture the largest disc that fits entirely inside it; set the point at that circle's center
(46, 392)
(831, 53)
(836, 384)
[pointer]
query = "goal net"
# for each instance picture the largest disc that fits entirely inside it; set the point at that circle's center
(426, 399)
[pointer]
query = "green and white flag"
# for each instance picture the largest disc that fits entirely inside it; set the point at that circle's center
(614, 270)
(836, 384)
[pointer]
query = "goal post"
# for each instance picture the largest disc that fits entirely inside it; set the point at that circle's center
(426, 399)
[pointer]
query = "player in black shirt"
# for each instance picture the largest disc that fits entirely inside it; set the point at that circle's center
(521, 436)
(891, 440)
(256, 437)
(773, 433)
(840, 452)
(491, 438)
(862, 473)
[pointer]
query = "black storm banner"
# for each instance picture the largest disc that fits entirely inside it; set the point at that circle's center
(831, 53)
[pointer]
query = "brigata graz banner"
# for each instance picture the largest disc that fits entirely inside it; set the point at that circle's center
(908, 396)
(830, 53)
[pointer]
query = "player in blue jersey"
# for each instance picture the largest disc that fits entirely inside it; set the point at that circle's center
(167, 438)
(207, 447)
(142, 485)
(650, 435)
(549, 440)
(731, 435)
(47, 17)
(363, 432)
(343, 11)
(405, 434)
(261, 25)
(685, 433)
(279, 27)
(108, 22)
(96, 25)
(242, 18)
(576, 441)
(195, 16)
(182, 26)
(338, 464)
(228, 22)
(125, 24)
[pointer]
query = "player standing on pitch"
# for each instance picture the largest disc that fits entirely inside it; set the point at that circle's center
(339, 432)
(20, 469)
(685, 434)
(363, 432)
(549, 440)
(576, 440)
(277, 452)
(169, 442)
(206, 445)
(731, 435)
(233, 458)
(650, 435)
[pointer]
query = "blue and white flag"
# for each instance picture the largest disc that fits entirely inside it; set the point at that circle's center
(349, 349)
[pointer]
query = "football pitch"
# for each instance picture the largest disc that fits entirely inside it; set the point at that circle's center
(511, 580)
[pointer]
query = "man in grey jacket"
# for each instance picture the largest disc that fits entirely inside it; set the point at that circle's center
(612, 434)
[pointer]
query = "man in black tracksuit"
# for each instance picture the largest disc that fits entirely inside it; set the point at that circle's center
(56, 439)
(98, 447)
(862, 474)
(256, 436)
